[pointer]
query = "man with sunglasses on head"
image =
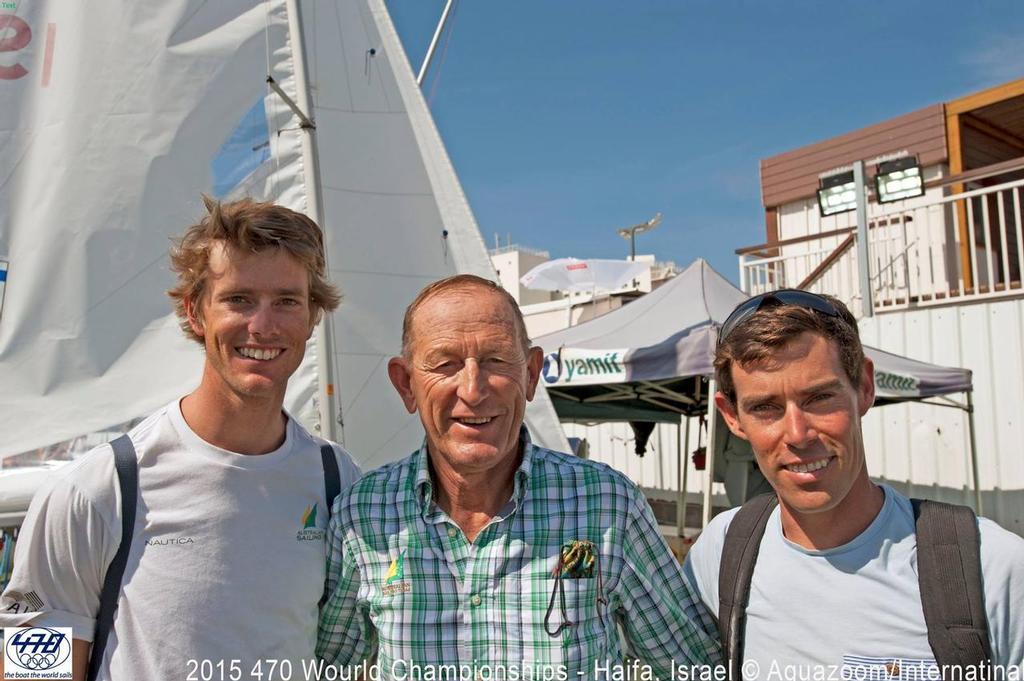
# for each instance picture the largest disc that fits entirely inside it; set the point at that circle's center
(835, 573)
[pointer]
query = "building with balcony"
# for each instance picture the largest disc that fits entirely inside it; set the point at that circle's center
(937, 278)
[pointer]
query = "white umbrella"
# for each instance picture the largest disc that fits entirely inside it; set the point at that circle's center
(571, 274)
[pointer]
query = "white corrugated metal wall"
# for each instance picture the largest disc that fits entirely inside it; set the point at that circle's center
(924, 449)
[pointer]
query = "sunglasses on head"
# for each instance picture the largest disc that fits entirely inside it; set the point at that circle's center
(785, 296)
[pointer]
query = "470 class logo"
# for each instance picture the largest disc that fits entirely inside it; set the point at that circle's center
(38, 649)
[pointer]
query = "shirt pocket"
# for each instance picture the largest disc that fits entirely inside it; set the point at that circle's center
(585, 640)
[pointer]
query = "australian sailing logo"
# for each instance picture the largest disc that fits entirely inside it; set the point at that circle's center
(394, 580)
(573, 366)
(309, 531)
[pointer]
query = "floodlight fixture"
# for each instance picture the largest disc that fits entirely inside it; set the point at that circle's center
(898, 179)
(631, 232)
(837, 194)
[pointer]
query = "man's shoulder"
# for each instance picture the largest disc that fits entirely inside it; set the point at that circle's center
(1002, 552)
(93, 473)
(88, 484)
(348, 469)
(549, 461)
(711, 541)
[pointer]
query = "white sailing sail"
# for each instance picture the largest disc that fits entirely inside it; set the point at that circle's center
(121, 114)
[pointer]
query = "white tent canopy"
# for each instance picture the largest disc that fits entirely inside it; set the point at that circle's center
(671, 333)
(652, 360)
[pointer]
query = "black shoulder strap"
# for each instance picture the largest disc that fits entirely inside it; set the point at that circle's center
(127, 467)
(949, 575)
(332, 486)
(739, 553)
(332, 478)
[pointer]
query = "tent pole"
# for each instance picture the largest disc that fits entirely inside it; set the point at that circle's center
(709, 455)
(974, 451)
(683, 447)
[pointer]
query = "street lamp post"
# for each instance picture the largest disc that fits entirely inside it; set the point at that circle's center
(631, 232)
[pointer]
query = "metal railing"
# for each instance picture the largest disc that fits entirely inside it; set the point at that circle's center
(968, 245)
(508, 248)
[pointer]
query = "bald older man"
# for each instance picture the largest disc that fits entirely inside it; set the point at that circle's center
(484, 551)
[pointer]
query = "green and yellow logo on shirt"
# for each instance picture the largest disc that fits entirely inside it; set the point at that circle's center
(394, 580)
(309, 531)
(309, 517)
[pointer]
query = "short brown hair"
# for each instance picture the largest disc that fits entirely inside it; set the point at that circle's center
(251, 226)
(462, 281)
(758, 337)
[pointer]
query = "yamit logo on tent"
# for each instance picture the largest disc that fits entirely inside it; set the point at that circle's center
(37, 653)
(573, 366)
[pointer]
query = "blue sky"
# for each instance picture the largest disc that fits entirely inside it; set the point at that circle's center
(566, 119)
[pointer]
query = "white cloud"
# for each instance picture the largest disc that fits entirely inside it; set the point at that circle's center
(1000, 59)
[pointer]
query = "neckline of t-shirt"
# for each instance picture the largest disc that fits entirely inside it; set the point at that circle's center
(865, 536)
(225, 456)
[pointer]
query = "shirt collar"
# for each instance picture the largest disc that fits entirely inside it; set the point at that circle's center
(424, 486)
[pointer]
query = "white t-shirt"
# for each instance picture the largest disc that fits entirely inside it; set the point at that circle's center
(857, 605)
(227, 560)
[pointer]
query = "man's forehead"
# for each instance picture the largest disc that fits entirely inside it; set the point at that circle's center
(272, 267)
(793, 358)
(482, 303)
(455, 315)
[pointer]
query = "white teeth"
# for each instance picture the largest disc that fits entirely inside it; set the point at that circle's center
(259, 353)
(809, 467)
(474, 422)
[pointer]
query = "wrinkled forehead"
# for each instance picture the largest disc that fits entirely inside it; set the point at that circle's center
(469, 311)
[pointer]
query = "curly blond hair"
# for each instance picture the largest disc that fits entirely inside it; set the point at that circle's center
(251, 226)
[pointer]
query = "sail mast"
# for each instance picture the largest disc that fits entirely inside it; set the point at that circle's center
(329, 413)
(433, 43)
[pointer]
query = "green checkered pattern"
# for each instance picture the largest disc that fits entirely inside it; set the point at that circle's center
(479, 604)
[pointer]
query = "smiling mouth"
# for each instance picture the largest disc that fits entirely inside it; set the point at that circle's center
(262, 354)
(809, 467)
(474, 421)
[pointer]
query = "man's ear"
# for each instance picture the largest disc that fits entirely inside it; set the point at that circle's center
(195, 317)
(534, 363)
(730, 414)
(315, 316)
(866, 389)
(401, 377)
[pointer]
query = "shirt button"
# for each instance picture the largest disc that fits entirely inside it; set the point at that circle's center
(475, 600)
(452, 532)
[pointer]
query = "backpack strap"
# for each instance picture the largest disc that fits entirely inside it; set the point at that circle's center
(739, 553)
(332, 478)
(949, 576)
(332, 488)
(127, 467)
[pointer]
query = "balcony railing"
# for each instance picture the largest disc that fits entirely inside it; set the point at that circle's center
(929, 251)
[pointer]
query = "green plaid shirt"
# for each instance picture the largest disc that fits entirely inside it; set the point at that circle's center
(406, 585)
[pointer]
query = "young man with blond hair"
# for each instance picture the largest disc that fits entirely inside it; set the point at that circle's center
(225, 560)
